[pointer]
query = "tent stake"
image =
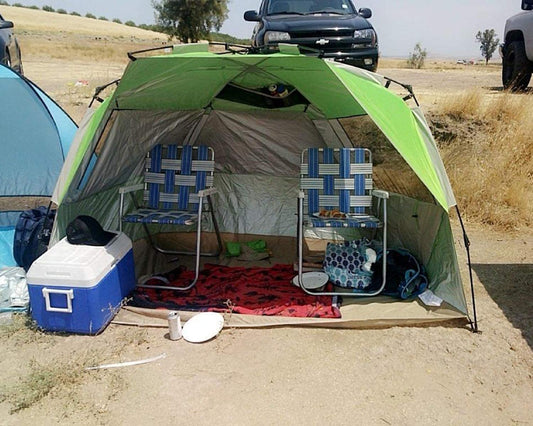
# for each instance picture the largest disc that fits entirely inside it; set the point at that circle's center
(467, 247)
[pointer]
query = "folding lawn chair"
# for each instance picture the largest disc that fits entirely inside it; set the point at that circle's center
(338, 180)
(178, 184)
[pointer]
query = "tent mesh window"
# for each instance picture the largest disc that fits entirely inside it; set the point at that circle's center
(275, 95)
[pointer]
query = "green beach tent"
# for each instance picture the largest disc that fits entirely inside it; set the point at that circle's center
(193, 96)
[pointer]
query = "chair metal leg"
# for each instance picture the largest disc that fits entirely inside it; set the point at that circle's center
(334, 293)
(158, 249)
(188, 253)
(197, 260)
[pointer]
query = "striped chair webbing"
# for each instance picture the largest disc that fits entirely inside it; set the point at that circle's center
(337, 179)
(174, 174)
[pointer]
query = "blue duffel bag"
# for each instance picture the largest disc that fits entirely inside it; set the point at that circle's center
(32, 235)
(406, 277)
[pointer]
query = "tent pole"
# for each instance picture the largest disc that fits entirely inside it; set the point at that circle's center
(467, 247)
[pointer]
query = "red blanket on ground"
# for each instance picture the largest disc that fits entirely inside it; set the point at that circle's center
(256, 291)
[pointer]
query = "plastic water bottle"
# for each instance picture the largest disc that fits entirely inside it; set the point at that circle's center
(282, 90)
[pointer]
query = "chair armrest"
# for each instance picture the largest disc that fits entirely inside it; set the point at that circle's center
(380, 194)
(130, 188)
(208, 191)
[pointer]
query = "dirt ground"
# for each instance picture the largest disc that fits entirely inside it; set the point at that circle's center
(396, 376)
(400, 375)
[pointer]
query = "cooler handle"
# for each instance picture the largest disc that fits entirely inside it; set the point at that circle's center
(68, 293)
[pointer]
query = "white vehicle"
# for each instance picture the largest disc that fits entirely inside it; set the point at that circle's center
(517, 49)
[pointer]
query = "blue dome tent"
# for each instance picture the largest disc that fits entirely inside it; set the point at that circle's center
(35, 137)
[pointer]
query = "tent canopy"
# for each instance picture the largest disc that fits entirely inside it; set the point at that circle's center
(227, 102)
(36, 135)
(321, 89)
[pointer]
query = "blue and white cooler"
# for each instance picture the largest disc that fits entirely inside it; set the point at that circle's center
(80, 288)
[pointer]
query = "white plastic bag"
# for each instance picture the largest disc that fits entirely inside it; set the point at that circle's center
(13, 288)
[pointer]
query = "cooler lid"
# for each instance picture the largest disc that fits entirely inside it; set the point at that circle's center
(68, 265)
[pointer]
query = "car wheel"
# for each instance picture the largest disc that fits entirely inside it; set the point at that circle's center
(7, 59)
(516, 71)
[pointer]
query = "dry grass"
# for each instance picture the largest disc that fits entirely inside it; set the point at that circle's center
(44, 380)
(21, 330)
(439, 64)
(462, 107)
(82, 48)
(488, 153)
(57, 36)
(64, 378)
(32, 21)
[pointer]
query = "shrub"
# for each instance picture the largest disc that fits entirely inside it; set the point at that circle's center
(34, 7)
(221, 37)
(90, 15)
(48, 8)
(130, 23)
(4, 3)
(61, 11)
(417, 57)
(75, 14)
(117, 21)
(103, 18)
(17, 5)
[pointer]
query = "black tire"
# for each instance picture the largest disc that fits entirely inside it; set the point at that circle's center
(19, 68)
(6, 60)
(516, 71)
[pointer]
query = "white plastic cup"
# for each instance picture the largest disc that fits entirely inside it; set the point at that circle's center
(174, 326)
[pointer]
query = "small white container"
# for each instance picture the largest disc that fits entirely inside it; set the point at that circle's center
(174, 325)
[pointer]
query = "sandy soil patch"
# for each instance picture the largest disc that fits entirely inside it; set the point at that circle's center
(398, 375)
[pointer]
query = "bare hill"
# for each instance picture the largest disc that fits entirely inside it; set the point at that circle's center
(46, 36)
(38, 21)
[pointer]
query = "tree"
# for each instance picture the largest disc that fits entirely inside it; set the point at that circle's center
(190, 20)
(417, 57)
(489, 43)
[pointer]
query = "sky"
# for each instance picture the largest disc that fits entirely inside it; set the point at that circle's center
(444, 28)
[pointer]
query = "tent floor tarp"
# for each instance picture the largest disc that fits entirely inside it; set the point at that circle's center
(380, 312)
(374, 312)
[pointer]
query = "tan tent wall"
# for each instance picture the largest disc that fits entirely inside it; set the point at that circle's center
(257, 158)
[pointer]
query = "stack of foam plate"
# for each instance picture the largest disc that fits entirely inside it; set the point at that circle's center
(314, 280)
(203, 327)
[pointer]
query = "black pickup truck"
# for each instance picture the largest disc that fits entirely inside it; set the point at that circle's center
(9, 48)
(331, 28)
